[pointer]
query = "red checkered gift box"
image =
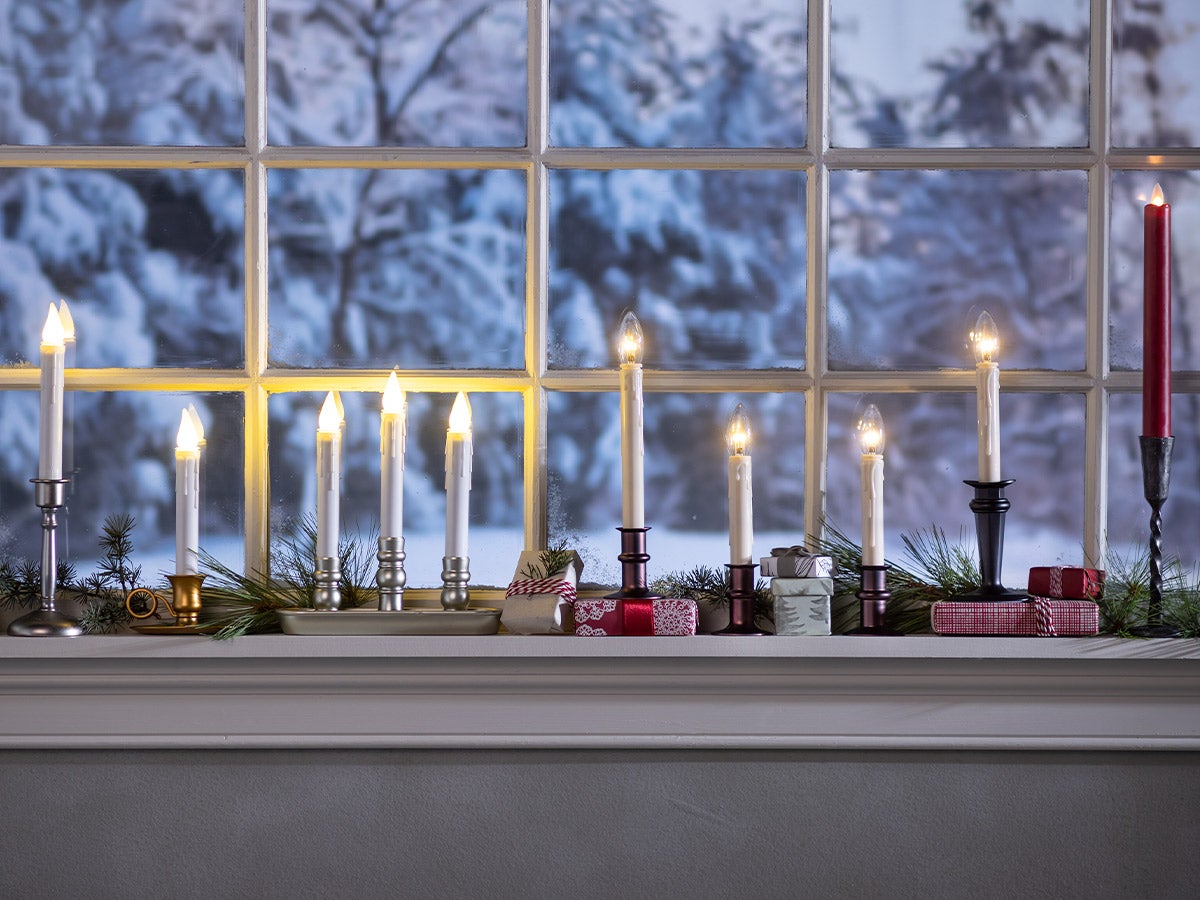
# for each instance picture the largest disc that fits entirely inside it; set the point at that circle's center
(1037, 616)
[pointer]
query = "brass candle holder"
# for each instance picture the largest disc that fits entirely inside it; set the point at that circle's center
(142, 603)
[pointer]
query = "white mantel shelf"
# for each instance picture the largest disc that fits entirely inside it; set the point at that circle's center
(276, 691)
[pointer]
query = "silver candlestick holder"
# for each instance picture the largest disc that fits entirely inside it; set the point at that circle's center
(50, 495)
(390, 575)
(456, 576)
(327, 595)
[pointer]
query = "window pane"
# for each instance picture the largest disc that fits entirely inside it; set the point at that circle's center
(686, 499)
(114, 72)
(915, 256)
(1130, 190)
(387, 267)
(931, 449)
(1156, 69)
(117, 469)
(396, 72)
(150, 262)
(712, 262)
(497, 534)
(944, 73)
(677, 73)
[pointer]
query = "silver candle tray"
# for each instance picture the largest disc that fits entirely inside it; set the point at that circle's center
(386, 621)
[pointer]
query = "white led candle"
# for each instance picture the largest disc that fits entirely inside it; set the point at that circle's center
(187, 496)
(393, 429)
(50, 421)
(459, 452)
(633, 478)
(741, 491)
(329, 475)
(870, 442)
(986, 341)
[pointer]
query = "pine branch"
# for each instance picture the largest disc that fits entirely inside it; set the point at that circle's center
(712, 585)
(551, 561)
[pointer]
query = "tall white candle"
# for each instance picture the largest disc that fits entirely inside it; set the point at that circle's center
(633, 471)
(986, 341)
(68, 324)
(50, 422)
(459, 452)
(187, 496)
(329, 475)
(741, 491)
(393, 429)
(871, 441)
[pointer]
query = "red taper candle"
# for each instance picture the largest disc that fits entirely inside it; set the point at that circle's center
(1156, 321)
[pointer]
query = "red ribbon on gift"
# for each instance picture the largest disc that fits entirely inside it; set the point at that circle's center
(637, 617)
(564, 589)
(1044, 615)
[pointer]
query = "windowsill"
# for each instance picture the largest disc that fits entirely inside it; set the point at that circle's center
(531, 692)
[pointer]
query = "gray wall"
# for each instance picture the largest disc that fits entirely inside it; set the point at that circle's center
(593, 824)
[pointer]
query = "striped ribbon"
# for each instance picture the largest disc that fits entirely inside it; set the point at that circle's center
(524, 586)
(1044, 615)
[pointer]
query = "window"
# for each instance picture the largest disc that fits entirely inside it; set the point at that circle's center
(248, 205)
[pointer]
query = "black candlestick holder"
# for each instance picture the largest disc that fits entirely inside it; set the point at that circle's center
(989, 506)
(1156, 478)
(741, 600)
(633, 558)
(874, 597)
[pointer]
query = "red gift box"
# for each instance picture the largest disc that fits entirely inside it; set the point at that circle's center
(664, 616)
(1037, 616)
(1071, 582)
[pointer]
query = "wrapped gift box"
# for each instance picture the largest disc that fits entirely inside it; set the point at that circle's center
(794, 562)
(801, 587)
(665, 616)
(803, 615)
(541, 605)
(1037, 616)
(1068, 582)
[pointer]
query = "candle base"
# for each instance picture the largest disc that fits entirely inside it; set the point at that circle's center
(741, 600)
(633, 558)
(989, 506)
(1156, 480)
(185, 591)
(390, 575)
(873, 598)
(456, 576)
(327, 594)
(49, 495)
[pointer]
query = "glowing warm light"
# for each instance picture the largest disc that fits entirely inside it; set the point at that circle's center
(986, 338)
(737, 435)
(53, 334)
(1156, 197)
(68, 321)
(460, 414)
(629, 339)
(186, 439)
(870, 431)
(331, 417)
(393, 397)
(197, 424)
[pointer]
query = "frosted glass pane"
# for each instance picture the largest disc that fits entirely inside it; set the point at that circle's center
(686, 494)
(712, 262)
(150, 262)
(677, 73)
(381, 268)
(120, 72)
(948, 73)
(119, 454)
(1130, 190)
(915, 256)
(496, 535)
(931, 449)
(1156, 73)
(396, 72)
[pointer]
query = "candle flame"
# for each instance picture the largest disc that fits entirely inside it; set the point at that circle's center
(68, 321)
(460, 415)
(629, 339)
(393, 397)
(737, 435)
(53, 334)
(1156, 196)
(186, 439)
(331, 417)
(986, 338)
(197, 424)
(870, 431)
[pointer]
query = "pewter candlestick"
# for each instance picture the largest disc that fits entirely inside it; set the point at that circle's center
(49, 494)
(1156, 478)
(327, 594)
(390, 575)
(633, 558)
(456, 576)
(989, 506)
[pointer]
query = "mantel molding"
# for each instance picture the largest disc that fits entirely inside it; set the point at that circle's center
(553, 692)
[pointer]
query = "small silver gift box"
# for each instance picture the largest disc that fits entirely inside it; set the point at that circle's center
(796, 562)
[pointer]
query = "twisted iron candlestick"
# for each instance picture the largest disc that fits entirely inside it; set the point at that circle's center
(741, 600)
(1156, 478)
(49, 494)
(989, 506)
(873, 599)
(390, 575)
(633, 558)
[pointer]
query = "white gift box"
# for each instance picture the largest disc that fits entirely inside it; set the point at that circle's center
(802, 615)
(801, 587)
(796, 566)
(541, 612)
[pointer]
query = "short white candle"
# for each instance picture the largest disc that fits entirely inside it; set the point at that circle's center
(871, 441)
(986, 341)
(741, 490)
(459, 452)
(329, 476)
(187, 496)
(633, 452)
(393, 428)
(50, 422)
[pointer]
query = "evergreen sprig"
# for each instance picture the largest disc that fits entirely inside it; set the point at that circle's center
(102, 593)
(1126, 596)
(551, 561)
(712, 585)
